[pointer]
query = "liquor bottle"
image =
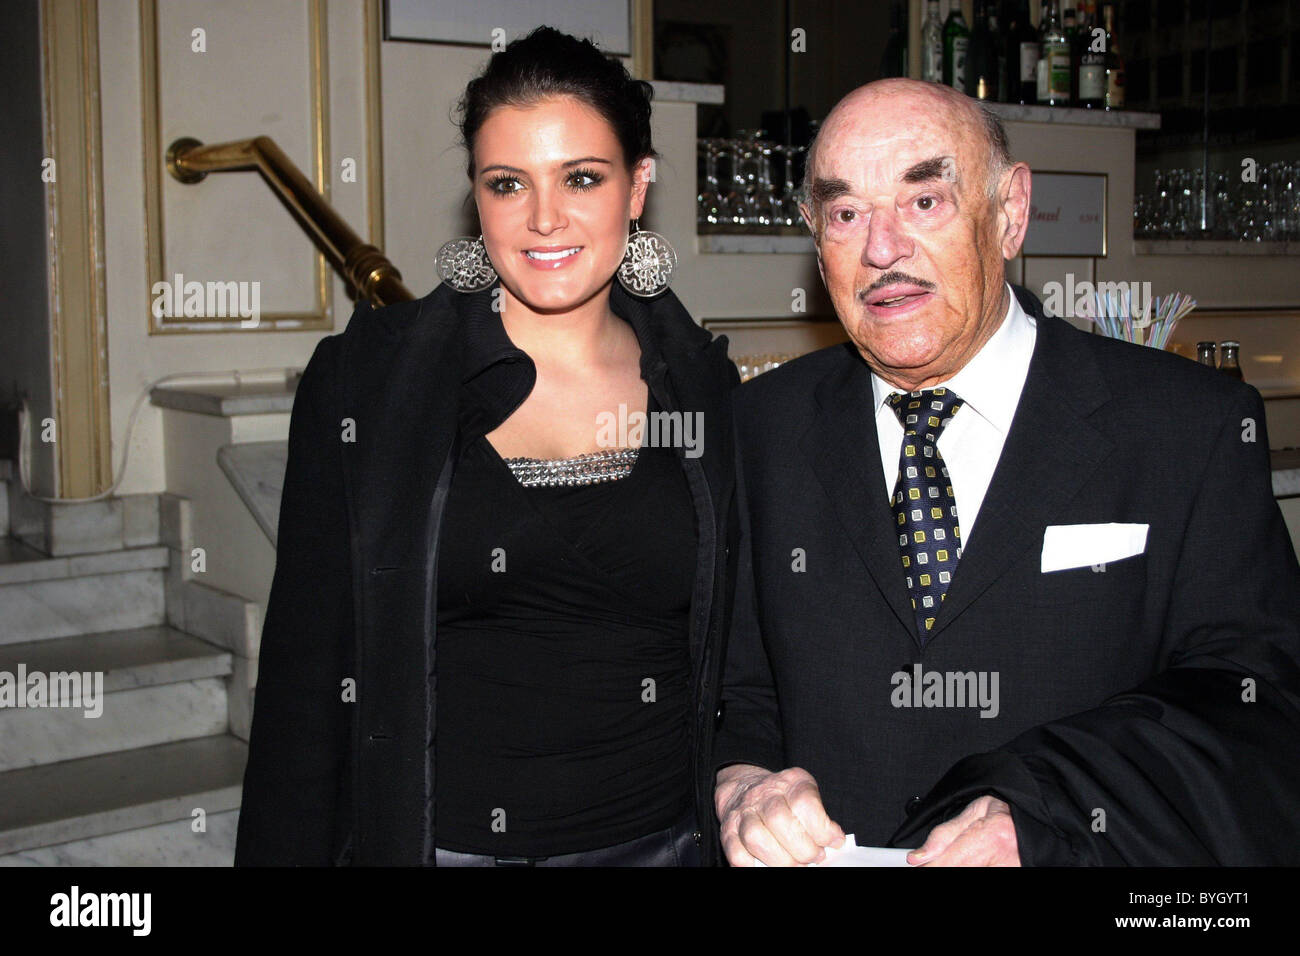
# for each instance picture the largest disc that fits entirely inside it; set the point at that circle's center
(1001, 91)
(1040, 71)
(932, 44)
(1054, 63)
(982, 57)
(956, 43)
(1069, 26)
(1114, 63)
(1228, 364)
(1205, 354)
(894, 60)
(1023, 51)
(1090, 84)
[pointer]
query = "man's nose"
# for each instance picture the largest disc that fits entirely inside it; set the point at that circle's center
(547, 212)
(886, 241)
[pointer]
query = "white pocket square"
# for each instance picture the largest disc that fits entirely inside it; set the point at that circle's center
(1083, 545)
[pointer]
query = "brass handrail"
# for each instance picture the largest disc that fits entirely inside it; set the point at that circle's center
(365, 267)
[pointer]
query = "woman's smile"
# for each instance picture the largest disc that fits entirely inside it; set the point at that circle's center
(550, 258)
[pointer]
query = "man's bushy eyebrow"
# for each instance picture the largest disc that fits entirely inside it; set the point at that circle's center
(824, 190)
(927, 170)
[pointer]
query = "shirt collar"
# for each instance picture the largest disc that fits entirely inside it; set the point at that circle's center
(990, 383)
(483, 339)
(497, 375)
(484, 342)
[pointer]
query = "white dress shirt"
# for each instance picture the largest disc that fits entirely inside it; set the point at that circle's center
(989, 387)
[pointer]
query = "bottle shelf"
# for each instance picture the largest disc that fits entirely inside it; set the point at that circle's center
(1213, 247)
(1133, 119)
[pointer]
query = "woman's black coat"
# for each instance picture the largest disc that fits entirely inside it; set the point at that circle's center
(341, 751)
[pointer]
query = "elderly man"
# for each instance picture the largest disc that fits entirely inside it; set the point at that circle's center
(1010, 593)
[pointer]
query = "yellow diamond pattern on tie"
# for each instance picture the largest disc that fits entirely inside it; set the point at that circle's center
(929, 539)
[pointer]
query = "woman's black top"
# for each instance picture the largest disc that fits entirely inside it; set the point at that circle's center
(562, 657)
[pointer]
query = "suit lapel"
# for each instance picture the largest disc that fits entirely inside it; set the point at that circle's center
(681, 373)
(842, 447)
(1050, 453)
(404, 402)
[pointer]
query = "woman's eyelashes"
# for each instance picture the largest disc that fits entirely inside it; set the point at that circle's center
(497, 185)
(595, 178)
(579, 180)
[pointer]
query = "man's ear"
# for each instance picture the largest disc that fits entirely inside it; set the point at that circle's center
(807, 215)
(1014, 191)
(641, 174)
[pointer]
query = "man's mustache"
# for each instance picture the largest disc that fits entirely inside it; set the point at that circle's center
(889, 278)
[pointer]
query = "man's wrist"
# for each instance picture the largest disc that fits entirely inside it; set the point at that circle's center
(736, 771)
(733, 778)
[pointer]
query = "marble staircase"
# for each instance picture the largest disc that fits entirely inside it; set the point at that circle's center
(104, 589)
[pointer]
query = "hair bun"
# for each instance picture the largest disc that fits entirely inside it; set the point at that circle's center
(546, 63)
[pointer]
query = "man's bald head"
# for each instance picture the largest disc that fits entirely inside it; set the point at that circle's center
(915, 206)
(968, 114)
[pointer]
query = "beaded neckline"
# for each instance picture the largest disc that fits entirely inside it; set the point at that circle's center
(589, 469)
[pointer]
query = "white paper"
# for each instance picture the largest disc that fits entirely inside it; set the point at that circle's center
(1083, 545)
(850, 854)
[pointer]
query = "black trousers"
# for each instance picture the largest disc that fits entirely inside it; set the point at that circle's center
(676, 846)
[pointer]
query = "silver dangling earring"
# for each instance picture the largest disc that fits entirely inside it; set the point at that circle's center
(647, 264)
(464, 265)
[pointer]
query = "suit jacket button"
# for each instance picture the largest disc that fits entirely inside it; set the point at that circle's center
(910, 807)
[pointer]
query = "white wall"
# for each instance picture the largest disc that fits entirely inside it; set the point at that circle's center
(135, 356)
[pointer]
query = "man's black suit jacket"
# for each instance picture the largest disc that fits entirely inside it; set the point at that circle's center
(1148, 713)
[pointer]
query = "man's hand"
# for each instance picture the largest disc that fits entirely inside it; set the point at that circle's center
(983, 835)
(777, 818)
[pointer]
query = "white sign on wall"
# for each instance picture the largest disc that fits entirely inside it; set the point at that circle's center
(608, 24)
(1067, 215)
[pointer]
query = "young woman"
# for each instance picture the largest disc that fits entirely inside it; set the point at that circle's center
(494, 632)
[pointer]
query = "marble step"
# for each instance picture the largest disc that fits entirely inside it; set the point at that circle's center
(156, 685)
(20, 562)
(175, 843)
(51, 597)
(80, 527)
(81, 799)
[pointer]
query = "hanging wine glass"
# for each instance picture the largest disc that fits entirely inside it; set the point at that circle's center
(709, 199)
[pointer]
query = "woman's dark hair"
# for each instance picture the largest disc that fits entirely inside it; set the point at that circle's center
(550, 63)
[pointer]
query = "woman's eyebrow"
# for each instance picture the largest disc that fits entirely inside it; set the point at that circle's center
(566, 164)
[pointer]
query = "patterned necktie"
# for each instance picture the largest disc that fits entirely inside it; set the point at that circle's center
(925, 508)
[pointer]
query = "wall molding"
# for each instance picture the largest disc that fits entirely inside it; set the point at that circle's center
(75, 244)
(320, 317)
(374, 122)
